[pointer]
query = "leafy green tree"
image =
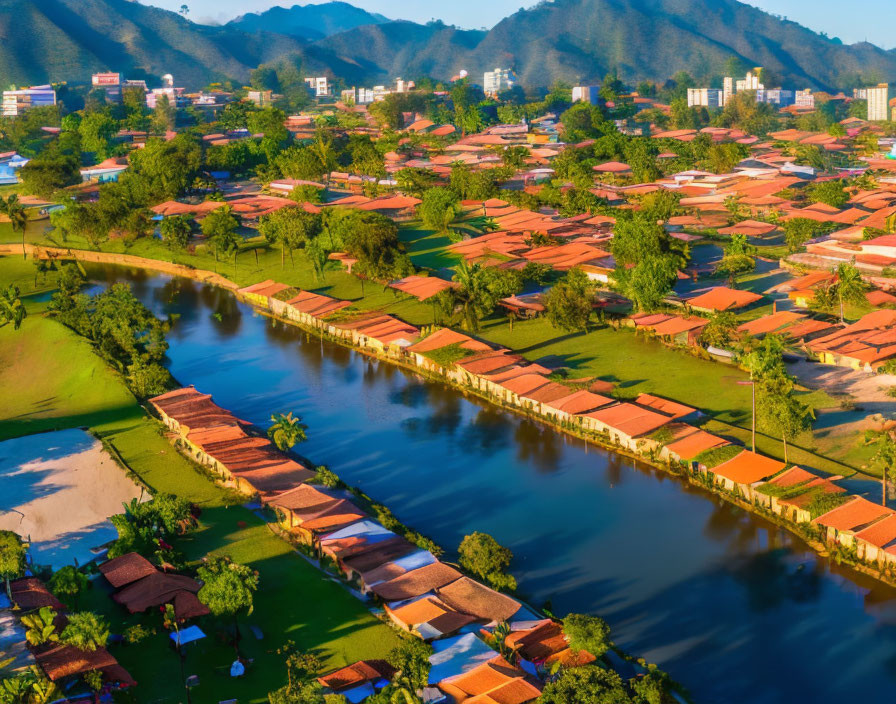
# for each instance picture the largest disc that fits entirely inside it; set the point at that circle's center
(290, 228)
(162, 170)
(585, 685)
(650, 280)
(588, 633)
(12, 310)
(220, 226)
(286, 430)
(438, 208)
(97, 130)
(176, 231)
(49, 172)
(828, 192)
(415, 181)
(163, 116)
(482, 555)
(721, 330)
(569, 303)
(798, 231)
(228, 589)
(737, 258)
(12, 558)
(40, 627)
(85, 631)
(411, 661)
(779, 411)
(373, 240)
(583, 121)
(67, 583)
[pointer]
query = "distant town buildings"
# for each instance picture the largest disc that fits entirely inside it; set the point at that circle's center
(17, 102)
(705, 97)
(878, 99)
(718, 98)
(110, 83)
(501, 79)
(585, 94)
(318, 86)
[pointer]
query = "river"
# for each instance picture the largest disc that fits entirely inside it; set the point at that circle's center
(733, 607)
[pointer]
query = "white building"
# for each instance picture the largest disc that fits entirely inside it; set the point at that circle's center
(501, 79)
(319, 86)
(878, 102)
(775, 96)
(109, 82)
(727, 89)
(17, 102)
(804, 99)
(750, 82)
(705, 97)
(585, 94)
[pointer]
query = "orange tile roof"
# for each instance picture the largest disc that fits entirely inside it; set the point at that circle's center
(748, 468)
(854, 514)
(880, 534)
(690, 442)
(672, 409)
(629, 419)
(722, 298)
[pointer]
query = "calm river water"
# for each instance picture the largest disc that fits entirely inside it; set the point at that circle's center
(734, 608)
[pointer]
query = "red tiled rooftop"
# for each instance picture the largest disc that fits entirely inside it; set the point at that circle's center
(748, 468)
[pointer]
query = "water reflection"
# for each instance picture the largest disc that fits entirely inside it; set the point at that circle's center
(737, 609)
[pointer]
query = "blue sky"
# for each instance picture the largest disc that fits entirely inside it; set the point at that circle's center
(852, 21)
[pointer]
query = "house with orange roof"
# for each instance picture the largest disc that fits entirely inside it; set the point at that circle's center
(422, 287)
(572, 407)
(687, 442)
(790, 493)
(539, 645)
(626, 424)
(863, 345)
(877, 542)
(260, 294)
(722, 298)
(841, 524)
(750, 228)
(743, 471)
(671, 409)
(306, 307)
(770, 324)
(441, 339)
(493, 682)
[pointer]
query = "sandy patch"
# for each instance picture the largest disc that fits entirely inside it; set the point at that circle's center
(58, 489)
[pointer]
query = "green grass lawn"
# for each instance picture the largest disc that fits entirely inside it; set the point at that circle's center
(428, 249)
(52, 379)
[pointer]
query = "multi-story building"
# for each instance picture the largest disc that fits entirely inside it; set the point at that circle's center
(318, 86)
(860, 93)
(705, 97)
(775, 96)
(110, 83)
(750, 82)
(585, 94)
(878, 102)
(727, 89)
(501, 79)
(17, 102)
(804, 99)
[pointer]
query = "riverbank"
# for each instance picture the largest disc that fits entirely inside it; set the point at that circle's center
(685, 471)
(57, 396)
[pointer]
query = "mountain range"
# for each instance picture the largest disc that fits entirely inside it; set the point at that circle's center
(575, 40)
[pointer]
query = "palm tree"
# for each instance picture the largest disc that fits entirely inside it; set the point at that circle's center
(885, 458)
(85, 631)
(15, 211)
(286, 431)
(470, 295)
(326, 154)
(12, 310)
(40, 627)
(850, 286)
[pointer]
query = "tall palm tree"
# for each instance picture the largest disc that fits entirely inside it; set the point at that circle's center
(850, 286)
(15, 211)
(470, 294)
(286, 431)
